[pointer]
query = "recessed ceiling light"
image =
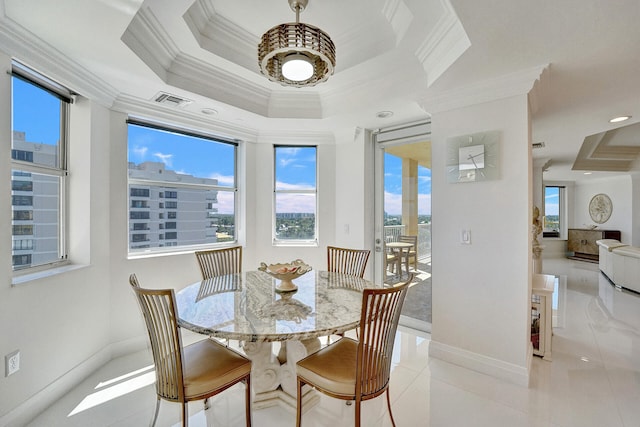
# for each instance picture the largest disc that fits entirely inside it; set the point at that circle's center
(384, 114)
(209, 111)
(588, 173)
(619, 119)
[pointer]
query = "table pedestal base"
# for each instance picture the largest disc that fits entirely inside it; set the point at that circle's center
(273, 377)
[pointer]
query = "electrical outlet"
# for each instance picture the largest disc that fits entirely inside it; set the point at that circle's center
(11, 363)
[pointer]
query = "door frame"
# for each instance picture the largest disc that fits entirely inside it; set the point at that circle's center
(383, 139)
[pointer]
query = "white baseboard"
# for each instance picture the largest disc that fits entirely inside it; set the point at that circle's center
(30, 408)
(477, 362)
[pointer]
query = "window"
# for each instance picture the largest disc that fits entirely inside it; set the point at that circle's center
(553, 221)
(39, 170)
(22, 215)
(295, 195)
(21, 200)
(21, 185)
(139, 215)
(22, 245)
(139, 192)
(22, 230)
(192, 174)
(25, 156)
(21, 261)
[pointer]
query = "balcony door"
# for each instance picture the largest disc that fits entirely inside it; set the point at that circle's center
(403, 212)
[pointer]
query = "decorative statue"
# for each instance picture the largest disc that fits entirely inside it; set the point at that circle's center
(536, 229)
(537, 224)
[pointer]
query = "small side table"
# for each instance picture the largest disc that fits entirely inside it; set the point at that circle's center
(542, 314)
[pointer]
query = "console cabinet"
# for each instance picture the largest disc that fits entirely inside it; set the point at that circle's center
(542, 290)
(582, 242)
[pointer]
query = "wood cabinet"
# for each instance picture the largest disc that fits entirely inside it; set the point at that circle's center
(582, 242)
(542, 290)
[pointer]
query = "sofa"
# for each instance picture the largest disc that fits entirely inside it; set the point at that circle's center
(620, 263)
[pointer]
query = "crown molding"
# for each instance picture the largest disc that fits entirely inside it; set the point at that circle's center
(295, 104)
(22, 45)
(220, 36)
(506, 86)
(399, 17)
(443, 45)
(148, 109)
(192, 74)
(148, 40)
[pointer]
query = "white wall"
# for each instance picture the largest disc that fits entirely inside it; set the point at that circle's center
(59, 322)
(619, 190)
(481, 292)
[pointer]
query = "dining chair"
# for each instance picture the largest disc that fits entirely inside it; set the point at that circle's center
(195, 372)
(390, 259)
(348, 261)
(357, 370)
(413, 252)
(218, 262)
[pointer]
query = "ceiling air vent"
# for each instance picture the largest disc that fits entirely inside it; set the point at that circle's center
(537, 145)
(171, 100)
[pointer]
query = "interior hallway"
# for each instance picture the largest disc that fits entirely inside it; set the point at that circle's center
(593, 380)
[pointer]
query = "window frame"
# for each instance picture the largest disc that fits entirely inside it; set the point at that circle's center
(294, 242)
(59, 171)
(168, 197)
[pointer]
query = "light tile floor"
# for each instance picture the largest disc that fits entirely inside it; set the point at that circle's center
(593, 380)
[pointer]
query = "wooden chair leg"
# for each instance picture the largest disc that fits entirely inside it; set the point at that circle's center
(299, 403)
(358, 402)
(155, 414)
(393, 423)
(247, 396)
(185, 414)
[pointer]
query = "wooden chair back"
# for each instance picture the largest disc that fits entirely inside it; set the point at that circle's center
(413, 252)
(347, 261)
(219, 262)
(378, 324)
(158, 308)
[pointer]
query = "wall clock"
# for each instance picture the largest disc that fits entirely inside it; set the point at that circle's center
(473, 157)
(600, 208)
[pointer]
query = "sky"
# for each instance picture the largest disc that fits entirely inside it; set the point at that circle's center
(393, 187)
(30, 102)
(295, 166)
(551, 201)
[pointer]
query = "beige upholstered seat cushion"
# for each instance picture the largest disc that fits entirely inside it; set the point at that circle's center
(332, 368)
(209, 366)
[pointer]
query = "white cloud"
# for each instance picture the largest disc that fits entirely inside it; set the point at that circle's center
(227, 180)
(167, 159)
(393, 203)
(296, 203)
(140, 152)
(225, 202)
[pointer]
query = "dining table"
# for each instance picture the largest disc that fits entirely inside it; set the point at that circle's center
(275, 329)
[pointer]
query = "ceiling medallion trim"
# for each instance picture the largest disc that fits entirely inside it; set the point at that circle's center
(299, 43)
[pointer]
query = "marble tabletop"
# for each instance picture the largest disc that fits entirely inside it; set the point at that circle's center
(245, 306)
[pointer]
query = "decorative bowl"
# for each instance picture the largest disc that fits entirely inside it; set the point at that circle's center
(286, 273)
